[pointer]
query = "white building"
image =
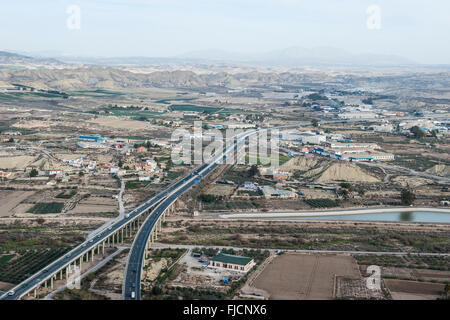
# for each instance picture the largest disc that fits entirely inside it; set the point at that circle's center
(357, 115)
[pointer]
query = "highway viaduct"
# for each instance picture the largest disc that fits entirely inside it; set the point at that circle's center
(142, 216)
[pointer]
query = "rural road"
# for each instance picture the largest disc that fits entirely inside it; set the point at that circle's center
(320, 213)
(183, 246)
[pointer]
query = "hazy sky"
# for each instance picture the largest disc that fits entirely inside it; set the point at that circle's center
(416, 29)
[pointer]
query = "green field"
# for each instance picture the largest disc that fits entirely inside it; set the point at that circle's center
(27, 95)
(29, 262)
(168, 101)
(96, 93)
(192, 107)
(266, 161)
(4, 259)
(64, 195)
(322, 203)
(46, 207)
(136, 184)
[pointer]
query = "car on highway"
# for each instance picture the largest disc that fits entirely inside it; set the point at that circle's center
(110, 228)
(11, 293)
(45, 271)
(127, 216)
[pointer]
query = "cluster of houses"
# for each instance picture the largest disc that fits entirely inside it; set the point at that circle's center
(441, 127)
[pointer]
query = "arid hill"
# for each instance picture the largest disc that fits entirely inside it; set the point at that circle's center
(327, 170)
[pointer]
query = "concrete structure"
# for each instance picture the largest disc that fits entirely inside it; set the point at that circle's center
(312, 138)
(336, 145)
(357, 115)
(93, 138)
(229, 261)
(271, 192)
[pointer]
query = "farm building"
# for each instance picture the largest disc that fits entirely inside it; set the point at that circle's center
(229, 261)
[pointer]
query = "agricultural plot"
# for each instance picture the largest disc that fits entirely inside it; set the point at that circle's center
(136, 184)
(193, 107)
(28, 262)
(414, 290)
(322, 203)
(168, 101)
(304, 276)
(231, 205)
(65, 195)
(96, 93)
(46, 207)
(4, 259)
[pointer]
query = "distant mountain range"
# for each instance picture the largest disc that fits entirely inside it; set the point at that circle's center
(290, 57)
(298, 56)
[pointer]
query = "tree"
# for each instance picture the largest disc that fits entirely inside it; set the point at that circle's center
(315, 123)
(434, 133)
(156, 290)
(33, 173)
(408, 197)
(345, 193)
(253, 170)
(345, 185)
(417, 132)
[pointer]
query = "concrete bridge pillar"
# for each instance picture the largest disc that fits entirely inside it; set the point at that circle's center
(121, 231)
(60, 274)
(35, 293)
(92, 254)
(51, 282)
(103, 247)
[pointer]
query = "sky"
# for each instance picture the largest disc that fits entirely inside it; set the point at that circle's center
(415, 29)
